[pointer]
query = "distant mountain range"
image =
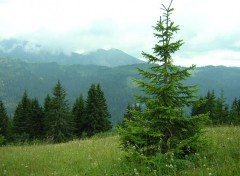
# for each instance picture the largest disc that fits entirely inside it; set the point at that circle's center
(35, 53)
(39, 79)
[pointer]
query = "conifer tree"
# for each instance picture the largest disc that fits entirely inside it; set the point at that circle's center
(59, 116)
(235, 112)
(79, 116)
(216, 107)
(103, 109)
(128, 114)
(210, 104)
(199, 107)
(3, 121)
(22, 119)
(47, 117)
(97, 115)
(161, 127)
(221, 113)
(37, 117)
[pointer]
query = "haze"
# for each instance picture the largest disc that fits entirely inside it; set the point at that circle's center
(210, 29)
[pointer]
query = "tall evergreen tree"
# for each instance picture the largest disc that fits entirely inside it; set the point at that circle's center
(221, 113)
(22, 118)
(3, 121)
(59, 116)
(103, 109)
(210, 104)
(235, 112)
(97, 115)
(161, 127)
(37, 117)
(79, 116)
(47, 117)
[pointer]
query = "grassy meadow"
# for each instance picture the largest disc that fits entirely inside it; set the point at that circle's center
(103, 156)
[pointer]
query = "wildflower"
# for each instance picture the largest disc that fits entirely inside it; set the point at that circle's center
(135, 171)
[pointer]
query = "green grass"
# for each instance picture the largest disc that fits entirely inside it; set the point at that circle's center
(223, 158)
(87, 157)
(102, 156)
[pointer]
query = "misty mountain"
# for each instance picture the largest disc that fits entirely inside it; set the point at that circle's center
(35, 53)
(39, 79)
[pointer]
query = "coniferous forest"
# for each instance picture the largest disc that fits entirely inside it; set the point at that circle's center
(56, 121)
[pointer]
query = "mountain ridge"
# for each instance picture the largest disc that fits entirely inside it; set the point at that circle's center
(32, 52)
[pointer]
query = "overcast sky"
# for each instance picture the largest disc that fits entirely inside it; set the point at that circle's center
(209, 28)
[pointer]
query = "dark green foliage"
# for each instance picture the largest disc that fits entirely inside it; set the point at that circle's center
(55, 122)
(28, 120)
(205, 105)
(3, 123)
(128, 115)
(210, 104)
(98, 116)
(59, 115)
(103, 109)
(162, 127)
(37, 120)
(47, 115)
(221, 111)
(234, 115)
(22, 128)
(216, 107)
(79, 116)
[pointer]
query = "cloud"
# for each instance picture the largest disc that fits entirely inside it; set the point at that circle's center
(208, 28)
(214, 57)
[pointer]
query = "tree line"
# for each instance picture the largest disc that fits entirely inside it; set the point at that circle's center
(56, 121)
(220, 113)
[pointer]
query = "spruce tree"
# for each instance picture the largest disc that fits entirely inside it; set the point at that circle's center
(210, 105)
(103, 109)
(22, 119)
(162, 127)
(3, 122)
(97, 115)
(221, 114)
(37, 117)
(79, 116)
(128, 114)
(234, 117)
(199, 107)
(47, 116)
(59, 116)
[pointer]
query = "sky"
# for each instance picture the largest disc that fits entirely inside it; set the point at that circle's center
(210, 29)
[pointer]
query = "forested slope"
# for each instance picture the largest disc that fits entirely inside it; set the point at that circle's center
(39, 78)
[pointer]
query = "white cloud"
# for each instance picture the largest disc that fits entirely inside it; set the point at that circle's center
(208, 28)
(218, 57)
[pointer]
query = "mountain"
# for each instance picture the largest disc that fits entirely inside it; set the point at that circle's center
(35, 53)
(39, 79)
(110, 58)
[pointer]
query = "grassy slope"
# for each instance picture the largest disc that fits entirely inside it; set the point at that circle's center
(102, 156)
(223, 159)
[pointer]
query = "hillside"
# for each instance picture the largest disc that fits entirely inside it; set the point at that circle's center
(39, 78)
